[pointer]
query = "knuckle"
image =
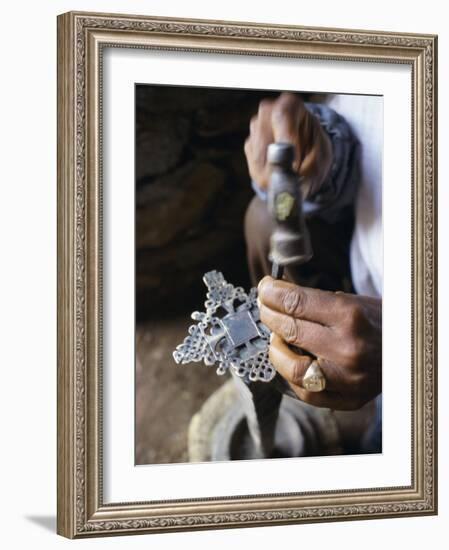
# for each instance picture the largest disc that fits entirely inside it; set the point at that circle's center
(290, 330)
(265, 106)
(292, 302)
(289, 99)
(355, 351)
(355, 318)
(341, 302)
(340, 308)
(287, 102)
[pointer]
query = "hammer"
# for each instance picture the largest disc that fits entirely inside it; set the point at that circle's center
(290, 241)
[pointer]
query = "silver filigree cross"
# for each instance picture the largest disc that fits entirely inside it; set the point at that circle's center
(229, 334)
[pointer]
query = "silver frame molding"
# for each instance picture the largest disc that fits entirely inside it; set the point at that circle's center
(81, 39)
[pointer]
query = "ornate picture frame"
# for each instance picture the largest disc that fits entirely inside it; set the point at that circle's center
(82, 38)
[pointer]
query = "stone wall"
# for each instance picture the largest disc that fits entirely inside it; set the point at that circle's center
(192, 189)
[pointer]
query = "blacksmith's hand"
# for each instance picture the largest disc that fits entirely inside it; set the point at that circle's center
(286, 119)
(344, 331)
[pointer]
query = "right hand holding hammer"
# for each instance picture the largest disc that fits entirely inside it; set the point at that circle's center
(286, 119)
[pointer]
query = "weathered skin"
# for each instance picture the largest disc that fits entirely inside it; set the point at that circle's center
(343, 330)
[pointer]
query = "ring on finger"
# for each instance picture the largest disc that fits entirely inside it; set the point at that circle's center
(314, 379)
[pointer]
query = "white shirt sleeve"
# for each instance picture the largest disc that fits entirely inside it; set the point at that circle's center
(365, 116)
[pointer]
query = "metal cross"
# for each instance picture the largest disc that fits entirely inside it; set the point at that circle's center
(229, 333)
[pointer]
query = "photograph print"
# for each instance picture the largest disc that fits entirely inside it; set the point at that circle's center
(258, 274)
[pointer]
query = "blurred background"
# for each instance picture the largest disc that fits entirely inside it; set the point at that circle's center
(192, 189)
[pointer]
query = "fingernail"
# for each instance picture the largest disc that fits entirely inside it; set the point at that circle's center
(259, 303)
(271, 337)
(262, 283)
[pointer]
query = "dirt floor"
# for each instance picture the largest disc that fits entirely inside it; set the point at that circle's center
(167, 394)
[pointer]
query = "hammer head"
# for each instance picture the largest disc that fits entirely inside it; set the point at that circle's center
(290, 240)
